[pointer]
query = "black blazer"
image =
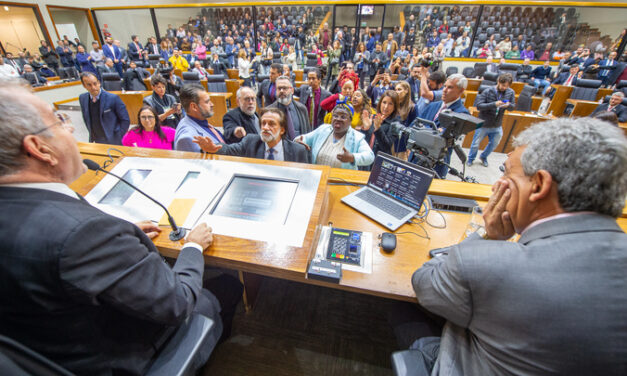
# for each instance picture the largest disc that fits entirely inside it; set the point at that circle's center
(303, 116)
(237, 118)
(485, 103)
(252, 146)
(620, 111)
(263, 93)
(304, 92)
(90, 291)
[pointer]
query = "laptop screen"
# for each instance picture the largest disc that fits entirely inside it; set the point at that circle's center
(401, 180)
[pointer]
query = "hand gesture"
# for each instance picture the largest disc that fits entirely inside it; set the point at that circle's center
(498, 223)
(201, 235)
(299, 139)
(366, 120)
(150, 229)
(345, 156)
(239, 132)
(498, 104)
(207, 145)
(378, 120)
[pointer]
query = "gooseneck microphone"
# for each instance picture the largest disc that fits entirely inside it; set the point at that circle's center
(177, 233)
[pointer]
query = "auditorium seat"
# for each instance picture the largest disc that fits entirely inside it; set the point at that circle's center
(622, 86)
(480, 69)
(469, 72)
(111, 82)
(451, 70)
(191, 78)
(509, 68)
(489, 78)
(586, 89)
(525, 98)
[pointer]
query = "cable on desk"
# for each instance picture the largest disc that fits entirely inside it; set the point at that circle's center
(426, 235)
(345, 182)
(111, 160)
(437, 211)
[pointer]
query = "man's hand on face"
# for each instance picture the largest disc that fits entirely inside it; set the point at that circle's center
(498, 223)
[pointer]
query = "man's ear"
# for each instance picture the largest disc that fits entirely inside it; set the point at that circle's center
(541, 184)
(37, 148)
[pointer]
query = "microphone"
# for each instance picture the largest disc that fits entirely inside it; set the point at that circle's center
(177, 233)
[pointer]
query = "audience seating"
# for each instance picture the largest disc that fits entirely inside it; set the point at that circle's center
(480, 69)
(68, 73)
(216, 83)
(523, 103)
(509, 68)
(490, 78)
(586, 89)
(191, 78)
(469, 72)
(111, 82)
(451, 70)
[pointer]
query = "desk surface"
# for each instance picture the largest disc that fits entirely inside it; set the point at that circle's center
(391, 275)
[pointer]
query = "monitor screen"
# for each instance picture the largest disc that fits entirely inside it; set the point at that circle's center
(404, 181)
(122, 191)
(367, 10)
(257, 199)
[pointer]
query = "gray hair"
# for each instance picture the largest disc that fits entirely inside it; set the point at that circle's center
(586, 157)
(18, 119)
(462, 81)
(286, 79)
(618, 94)
(240, 91)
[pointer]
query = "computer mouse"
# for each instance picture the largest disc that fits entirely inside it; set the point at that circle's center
(388, 242)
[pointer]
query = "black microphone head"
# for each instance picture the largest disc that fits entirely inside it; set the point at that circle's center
(91, 164)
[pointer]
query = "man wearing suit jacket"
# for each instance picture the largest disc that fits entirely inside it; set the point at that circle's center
(243, 120)
(153, 47)
(134, 48)
(90, 292)
(112, 51)
(267, 89)
(554, 301)
(568, 78)
(452, 101)
(311, 96)
(615, 105)
(108, 67)
(269, 144)
(606, 67)
(492, 103)
(105, 114)
(295, 113)
(198, 106)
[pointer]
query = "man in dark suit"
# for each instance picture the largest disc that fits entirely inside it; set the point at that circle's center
(33, 77)
(112, 51)
(486, 288)
(105, 114)
(492, 103)
(49, 55)
(243, 120)
(153, 47)
(217, 65)
(134, 48)
(311, 96)
(133, 78)
(614, 105)
(267, 89)
(91, 292)
(271, 143)
(568, 78)
(451, 100)
(295, 113)
(108, 67)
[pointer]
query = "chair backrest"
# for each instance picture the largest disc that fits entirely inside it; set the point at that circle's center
(262, 77)
(509, 68)
(489, 78)
(451, 70)
(480, 69)
(216, 83)
(524, 98)
(586, 89)
(191, 77)
(111, 82)
(469, 72)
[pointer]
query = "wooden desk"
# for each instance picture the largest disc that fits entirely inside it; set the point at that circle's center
(299, 75)
(474, 83)
(219, 107)
(558, 103)
(233, 73)
(391, 273)
(299, 83)
(133, 100)
(513, 123)
(56, 86)
(581, 108)
(470, 96)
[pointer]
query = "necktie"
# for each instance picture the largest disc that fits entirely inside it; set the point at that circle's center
(271, 92)
(216, 134)
(440, 110)
(570, 79)
(271, 153)
(312, 109)
(290, 125)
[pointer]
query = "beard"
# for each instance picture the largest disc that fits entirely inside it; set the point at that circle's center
(268, 137)
(249, 112)
(285, 100)
(206, 114)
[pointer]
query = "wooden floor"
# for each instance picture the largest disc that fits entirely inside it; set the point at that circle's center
(298, 329)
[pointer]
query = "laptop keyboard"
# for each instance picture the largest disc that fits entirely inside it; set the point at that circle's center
(387, 205)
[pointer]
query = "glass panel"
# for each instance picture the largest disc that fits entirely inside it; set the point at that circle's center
(121, 24)
(73, 23)
(19, 30)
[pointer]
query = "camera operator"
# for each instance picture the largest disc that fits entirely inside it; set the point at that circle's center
(430, 86)
(451, 100)
(492, 103)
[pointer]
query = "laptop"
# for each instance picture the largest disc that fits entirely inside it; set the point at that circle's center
(395, 191)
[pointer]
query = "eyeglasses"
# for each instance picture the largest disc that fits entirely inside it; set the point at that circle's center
(63, 121)
(148, 117)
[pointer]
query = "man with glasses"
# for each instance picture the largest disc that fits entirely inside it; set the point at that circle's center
(243, 119)
(311, 95)
(295, 113)
(87, 290)
(105, 114)
(270, 143)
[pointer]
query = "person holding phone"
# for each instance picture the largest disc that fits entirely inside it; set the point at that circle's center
(165, 105)
(492, 103)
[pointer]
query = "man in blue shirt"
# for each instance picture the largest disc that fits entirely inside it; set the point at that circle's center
(541, 77)
(198, 107)
(433, 40)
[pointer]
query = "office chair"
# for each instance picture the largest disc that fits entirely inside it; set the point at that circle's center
(111, 82)
(524, 98)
